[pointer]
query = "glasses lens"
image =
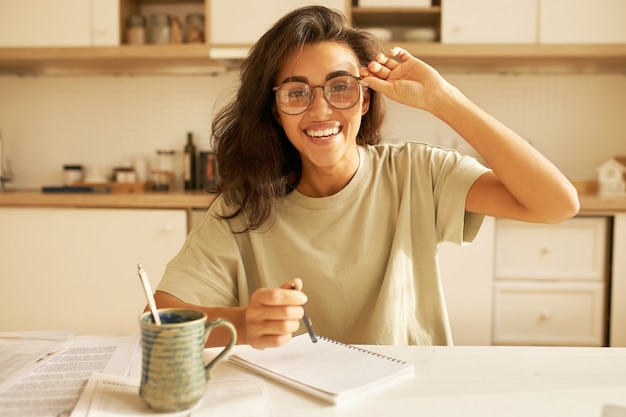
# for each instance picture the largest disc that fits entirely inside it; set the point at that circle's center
(293, 97)
(342, 92)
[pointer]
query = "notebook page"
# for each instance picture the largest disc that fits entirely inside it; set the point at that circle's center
(327, 369)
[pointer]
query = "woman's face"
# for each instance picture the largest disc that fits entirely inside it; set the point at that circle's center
(324, 136)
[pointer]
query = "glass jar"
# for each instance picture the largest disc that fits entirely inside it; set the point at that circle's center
(194, 28)
(160, 28)
(136, 29)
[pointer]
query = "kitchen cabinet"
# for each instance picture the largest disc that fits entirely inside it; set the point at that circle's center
(617, 329)
(582, 22)
(489, 21)
(551, 282)
(231, 38)
(467, 277)
(76, 268)
(61, 23)
(203, 58)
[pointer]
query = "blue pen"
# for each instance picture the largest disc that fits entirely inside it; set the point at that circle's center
(307, 323)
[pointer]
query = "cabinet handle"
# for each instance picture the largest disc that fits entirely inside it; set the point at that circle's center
(546, 249)
(544, 316)
(168, 228)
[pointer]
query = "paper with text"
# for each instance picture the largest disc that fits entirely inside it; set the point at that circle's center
(53, 389)
(111, 395)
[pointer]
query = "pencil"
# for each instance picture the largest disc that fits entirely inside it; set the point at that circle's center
(307, 322)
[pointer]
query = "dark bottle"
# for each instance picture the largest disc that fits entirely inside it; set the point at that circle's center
(189, 164)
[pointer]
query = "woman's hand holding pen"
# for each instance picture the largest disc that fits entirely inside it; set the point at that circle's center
(274, 314)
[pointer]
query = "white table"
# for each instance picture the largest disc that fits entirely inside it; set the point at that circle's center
(476, 381)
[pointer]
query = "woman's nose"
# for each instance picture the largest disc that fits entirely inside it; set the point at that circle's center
(319, 105)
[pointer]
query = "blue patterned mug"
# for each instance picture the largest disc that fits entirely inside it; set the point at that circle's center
(173, 373)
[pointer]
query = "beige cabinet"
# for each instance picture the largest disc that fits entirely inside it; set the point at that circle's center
(617, 330)
(582, 22)
(64, 23)
(489, 21)
(76, 269)
(237, 24)
(467, 277)
(550, 282)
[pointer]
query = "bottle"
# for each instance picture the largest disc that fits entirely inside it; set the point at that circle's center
(160, 24)
(194, 28)
(189, 163)
(136, 30)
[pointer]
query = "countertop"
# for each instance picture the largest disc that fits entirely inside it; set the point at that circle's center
(590, 204)
(158, 200)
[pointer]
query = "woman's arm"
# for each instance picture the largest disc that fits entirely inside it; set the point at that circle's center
(524, 185)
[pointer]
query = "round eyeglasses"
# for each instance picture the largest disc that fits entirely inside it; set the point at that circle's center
(295, 97)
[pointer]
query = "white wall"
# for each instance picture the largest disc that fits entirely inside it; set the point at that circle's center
(577, 120)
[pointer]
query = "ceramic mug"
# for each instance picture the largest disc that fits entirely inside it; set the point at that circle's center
(173, 374)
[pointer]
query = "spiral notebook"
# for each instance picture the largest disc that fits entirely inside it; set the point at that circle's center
(328, 370)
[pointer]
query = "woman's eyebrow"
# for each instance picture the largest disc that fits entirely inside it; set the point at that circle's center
(328, 76)
(338, 73)
(295, 78)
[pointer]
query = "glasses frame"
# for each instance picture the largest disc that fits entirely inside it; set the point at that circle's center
(312, 87)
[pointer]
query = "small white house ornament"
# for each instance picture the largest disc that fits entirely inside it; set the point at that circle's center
(612, 178)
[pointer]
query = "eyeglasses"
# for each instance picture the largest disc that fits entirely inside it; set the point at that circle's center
(295, 97)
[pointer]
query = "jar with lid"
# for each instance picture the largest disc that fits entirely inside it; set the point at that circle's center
(194, 28)
(159, 28)
(136, 29)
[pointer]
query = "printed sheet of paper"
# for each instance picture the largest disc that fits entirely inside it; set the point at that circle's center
(23, 352)
(53, 389)
(110, 395)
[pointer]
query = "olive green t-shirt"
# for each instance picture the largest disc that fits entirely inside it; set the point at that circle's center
(367, 255)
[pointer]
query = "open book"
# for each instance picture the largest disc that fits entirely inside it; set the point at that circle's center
(328, 370)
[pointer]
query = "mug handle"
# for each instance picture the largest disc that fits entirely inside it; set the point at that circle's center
(208, 327)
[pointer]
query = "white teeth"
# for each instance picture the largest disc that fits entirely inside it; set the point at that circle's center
(324, 132)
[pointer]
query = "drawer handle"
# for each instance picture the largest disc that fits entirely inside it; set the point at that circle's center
(546, 249)
(544, 316)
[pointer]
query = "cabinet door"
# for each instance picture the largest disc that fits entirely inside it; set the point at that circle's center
(571, 250)
(45, 23)
(237, 24)
(617, 332)
(549, 313)
(76, 269)
(467, 276)
(582, 21)
(489, 21)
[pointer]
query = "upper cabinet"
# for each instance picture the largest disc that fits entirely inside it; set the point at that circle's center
(582, 22)
(489, 21)
(234, 25)
(66, 23)
(40, 36)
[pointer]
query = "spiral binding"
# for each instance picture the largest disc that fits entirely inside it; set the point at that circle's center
(369, 352)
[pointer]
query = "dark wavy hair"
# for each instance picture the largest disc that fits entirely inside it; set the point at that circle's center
(257, 163)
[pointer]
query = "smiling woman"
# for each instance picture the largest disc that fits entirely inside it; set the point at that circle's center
(309, 197)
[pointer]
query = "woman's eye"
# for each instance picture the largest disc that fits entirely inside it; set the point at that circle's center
(298, 93)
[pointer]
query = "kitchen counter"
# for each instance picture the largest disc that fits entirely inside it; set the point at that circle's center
(159, 200)
(594, 204)
(590, 204)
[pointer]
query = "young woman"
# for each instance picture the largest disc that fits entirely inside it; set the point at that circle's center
(310, 199)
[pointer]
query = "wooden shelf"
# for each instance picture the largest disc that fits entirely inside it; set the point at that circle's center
(125, 58)
(523, 58)
(195, 58)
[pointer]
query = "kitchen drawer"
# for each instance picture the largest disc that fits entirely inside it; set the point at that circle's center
(549, 313)
(573, 250)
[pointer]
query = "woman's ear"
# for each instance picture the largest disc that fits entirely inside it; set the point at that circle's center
(366, 101)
